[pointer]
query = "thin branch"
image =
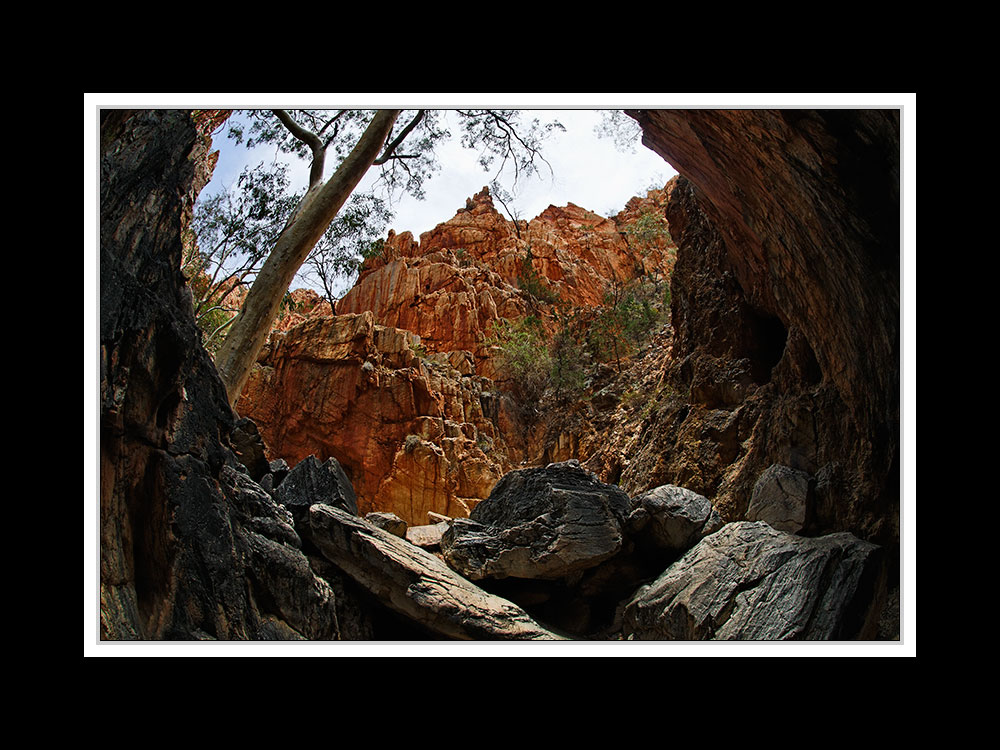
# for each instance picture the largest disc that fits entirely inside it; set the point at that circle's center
(388, 153)
(310, 139)
(510, 213)
(330, 122)
(221, 328)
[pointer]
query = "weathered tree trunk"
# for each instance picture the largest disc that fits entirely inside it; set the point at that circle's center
(246, 337)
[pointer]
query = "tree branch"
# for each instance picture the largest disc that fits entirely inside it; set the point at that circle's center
(330, 122)
(387, 154)
(309, 138)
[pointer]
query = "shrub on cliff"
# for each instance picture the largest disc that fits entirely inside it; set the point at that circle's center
(530, 281)
(647, 231)
(624, 322)
(567, 360)
(522, 357)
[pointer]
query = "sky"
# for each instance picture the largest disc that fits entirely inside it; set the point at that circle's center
(586, 170)
(590, 171)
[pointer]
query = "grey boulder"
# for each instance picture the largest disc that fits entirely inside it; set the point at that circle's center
(314, 482)
(388, 522)
(749, 581)
(540, 523)
(779, 498)
(671, 519)
(415, 583)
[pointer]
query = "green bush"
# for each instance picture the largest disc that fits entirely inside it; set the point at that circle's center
(522, 357)
(647, 231)
(567, 362)
(530, 362)
(626, 320)
(529, 280)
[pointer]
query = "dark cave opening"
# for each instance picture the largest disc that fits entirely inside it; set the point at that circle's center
(765, 340)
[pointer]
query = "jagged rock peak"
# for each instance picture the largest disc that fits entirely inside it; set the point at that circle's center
(482, 199)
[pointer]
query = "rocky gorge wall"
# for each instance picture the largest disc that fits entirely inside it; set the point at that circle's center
(416, 433)
(796, 302)
(190, 547)
(468, 272)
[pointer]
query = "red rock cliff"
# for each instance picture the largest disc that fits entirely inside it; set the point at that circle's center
(414, 433)
(479, 267)
(396, 387)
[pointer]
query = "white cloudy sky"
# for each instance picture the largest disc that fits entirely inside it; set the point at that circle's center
(586, 170)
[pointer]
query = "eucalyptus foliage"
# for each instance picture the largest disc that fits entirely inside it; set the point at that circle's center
(354, 236)
(234, 228)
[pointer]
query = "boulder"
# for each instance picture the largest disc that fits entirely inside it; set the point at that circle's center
(388, 522)
(427, 536)
(671, 519)
(543, 523)
(415, 583)
(749, 581)
(312, 482)
(780, 498)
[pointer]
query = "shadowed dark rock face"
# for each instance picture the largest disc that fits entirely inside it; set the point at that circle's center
(191, 547)
(786, 303)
